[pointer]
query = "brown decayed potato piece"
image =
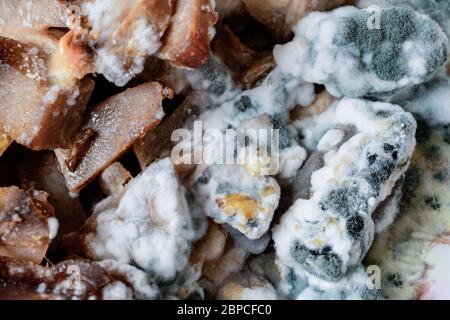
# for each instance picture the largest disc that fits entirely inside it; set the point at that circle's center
(124, 34)
(38, 15)
(227, 8)
(114, 178)
(72, 60)
(41, 171)
(34, 110)
(211, 246)
(233, 289)
(281, 15)
(216, 270)
(72, 279)
(186, 42)
(246, 65)
(118, 122)
(158, 141)
(24, 228)
(129, 13)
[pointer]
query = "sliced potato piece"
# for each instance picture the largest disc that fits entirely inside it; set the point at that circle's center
(215, 272)
(34, 110)
(158, 141)
(186, 42)
(118, 123)
(41, 171)
(38, 15)
(114, 178)
(227, 8)
(27, 224)
(211, 246)
(246, 65)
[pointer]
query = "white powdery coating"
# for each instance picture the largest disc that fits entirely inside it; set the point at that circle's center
(264, 107)
(348, 185)
(320, 53)
(117, 291)
(291, 160)
(111, 62)
(143, 288)
(429, 100)
(226, 180)
(151, 225)
(330, 139)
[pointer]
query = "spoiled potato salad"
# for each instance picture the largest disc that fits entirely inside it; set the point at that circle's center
(310, 155)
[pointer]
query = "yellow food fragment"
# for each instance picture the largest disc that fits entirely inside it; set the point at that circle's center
(239, 204)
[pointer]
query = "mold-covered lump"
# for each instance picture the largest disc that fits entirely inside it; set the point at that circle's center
(356, 285)
(328, 234)
(231, 195)
(438, 10)
(263, 108)
(357, 53)
(149, 225)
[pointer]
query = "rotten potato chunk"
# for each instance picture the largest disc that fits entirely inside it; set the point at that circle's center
(73, 279)
(117, 123)
(158, 141)
(186, 42)
(27, 224)
(216, 271)
(41, 171)
(124, 33)
(37, 15)
(226, 8)
(230, 195)
(114, 178)
(36, 111)
(247, 286)
(72, 60)
(281, 15)
(246, 65)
